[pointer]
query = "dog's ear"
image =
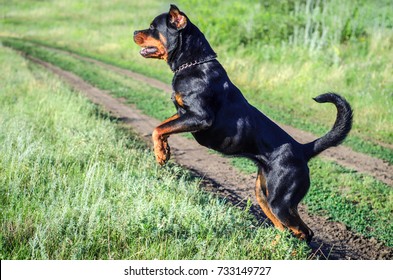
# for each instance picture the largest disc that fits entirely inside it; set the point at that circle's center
(177, 18)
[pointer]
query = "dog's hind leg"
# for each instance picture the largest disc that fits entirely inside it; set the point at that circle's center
(284, 197)
(300, 229)
(292, 220)
(261, 194)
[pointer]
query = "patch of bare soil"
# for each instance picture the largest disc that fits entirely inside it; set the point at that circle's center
(332, 240)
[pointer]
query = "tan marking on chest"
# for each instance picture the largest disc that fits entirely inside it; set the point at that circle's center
(179, 99)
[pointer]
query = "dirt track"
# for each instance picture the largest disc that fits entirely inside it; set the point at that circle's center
(332, 240)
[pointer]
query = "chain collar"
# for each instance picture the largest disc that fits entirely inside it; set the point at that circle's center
(196, 62)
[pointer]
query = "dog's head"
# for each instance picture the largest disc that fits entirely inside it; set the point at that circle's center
(161, 37)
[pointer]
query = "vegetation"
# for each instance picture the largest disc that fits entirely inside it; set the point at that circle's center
(283, 53)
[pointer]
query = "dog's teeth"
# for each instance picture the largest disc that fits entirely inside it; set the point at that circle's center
(148, 50)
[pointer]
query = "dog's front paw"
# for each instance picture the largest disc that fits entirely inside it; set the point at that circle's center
(162, 151)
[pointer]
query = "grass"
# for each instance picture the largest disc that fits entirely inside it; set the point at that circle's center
(151, 101)
(284, 52)
(74, 185)
(359, 201)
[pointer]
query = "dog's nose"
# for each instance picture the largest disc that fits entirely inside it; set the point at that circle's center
(136, 32)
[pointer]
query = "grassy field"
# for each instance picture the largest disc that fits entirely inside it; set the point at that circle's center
(74, 185)
(284, 53)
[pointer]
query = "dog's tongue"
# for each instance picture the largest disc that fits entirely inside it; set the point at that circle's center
(148, 50)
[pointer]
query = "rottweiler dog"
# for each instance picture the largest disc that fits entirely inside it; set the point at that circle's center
(214, 110)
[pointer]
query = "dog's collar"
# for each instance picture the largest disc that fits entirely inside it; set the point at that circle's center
(196, 62)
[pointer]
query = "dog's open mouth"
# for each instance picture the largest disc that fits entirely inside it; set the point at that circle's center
(146, 51)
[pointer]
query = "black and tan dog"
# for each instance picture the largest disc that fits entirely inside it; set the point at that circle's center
(219, 117)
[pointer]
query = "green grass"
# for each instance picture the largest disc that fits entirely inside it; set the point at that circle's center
(151, 101)
(284, 52)
(106, 27)
(359, 201)
(74, 185)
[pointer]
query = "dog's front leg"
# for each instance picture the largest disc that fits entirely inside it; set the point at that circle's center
(161, 147)
(175, 124)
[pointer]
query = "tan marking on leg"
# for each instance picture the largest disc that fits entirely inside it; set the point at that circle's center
(301, 230)
(260, 190)
(161, 147)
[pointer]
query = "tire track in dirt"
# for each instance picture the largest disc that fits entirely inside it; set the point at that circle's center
(345, 156)
(332, 240)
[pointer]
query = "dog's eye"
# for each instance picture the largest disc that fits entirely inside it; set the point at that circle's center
(151, 27)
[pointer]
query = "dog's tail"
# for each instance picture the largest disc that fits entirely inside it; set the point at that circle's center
(340, 129)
